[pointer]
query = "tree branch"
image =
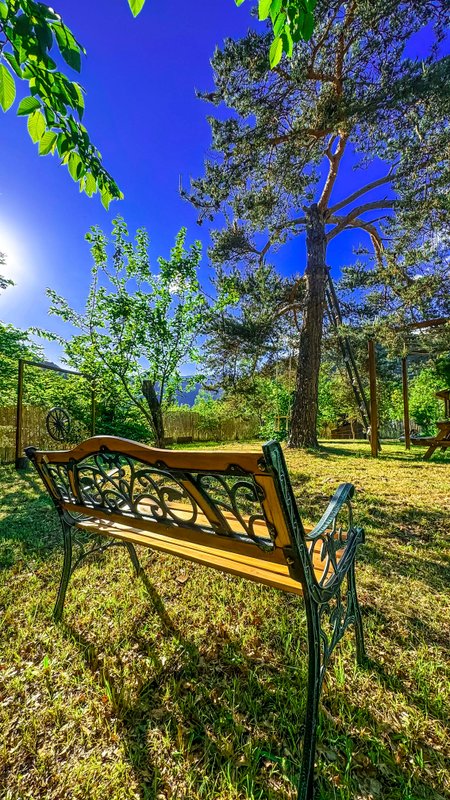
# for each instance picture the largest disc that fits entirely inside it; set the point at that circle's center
(334, 159)
(366, 225)
(364, 189)
(351, 217)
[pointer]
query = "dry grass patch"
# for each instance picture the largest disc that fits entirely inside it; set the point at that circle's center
(189, 684)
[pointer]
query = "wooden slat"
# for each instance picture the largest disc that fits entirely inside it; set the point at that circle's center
(184, 535)
(255, 568)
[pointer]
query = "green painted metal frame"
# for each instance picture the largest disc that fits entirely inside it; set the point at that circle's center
(328, 612)
(320, 602)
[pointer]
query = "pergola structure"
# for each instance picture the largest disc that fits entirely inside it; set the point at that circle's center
(20, 460)
(424, 324)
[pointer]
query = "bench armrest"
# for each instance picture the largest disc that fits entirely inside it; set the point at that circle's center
(341, 497)
(332, 543)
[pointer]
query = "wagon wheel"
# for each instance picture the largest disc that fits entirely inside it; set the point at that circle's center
(58, 424)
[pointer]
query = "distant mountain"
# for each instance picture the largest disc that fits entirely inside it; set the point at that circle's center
(187, 396)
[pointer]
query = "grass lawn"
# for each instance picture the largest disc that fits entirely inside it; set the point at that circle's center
(189, 684)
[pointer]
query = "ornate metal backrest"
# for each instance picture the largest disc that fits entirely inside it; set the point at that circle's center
(238, 495)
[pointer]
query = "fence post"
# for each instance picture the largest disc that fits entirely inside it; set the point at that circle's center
(406, 403)
(20, 460)
(374, 441)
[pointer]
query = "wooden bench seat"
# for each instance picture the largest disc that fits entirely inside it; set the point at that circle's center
(234, 512)
(271, 570)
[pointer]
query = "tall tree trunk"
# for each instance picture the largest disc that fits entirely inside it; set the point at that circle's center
(148, 390)
(304, 412)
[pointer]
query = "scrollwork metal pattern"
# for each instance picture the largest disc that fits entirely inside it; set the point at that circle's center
(220, 504)
(334, 618)
(326, 547)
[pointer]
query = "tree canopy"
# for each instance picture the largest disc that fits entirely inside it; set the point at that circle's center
(353, 91)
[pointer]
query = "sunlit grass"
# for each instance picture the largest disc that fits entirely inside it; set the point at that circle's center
(191, 685)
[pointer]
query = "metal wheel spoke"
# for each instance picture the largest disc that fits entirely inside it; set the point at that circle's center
(58, 424)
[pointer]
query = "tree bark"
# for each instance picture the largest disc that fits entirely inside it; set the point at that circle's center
(148, 390)
(304, 412)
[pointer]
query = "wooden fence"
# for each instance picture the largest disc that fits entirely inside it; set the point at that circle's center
(33, 432)
(191, 425)
(181, 426)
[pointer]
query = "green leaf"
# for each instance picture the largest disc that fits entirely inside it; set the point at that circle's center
(106, 198)
(287, 42)
(36, 126)
(238, 2)
(7, 88)
(3, 10)
(63, 144)
(136, 6)
(47, 143)
(75, 166)
(72, 57)
(308, 26)
(296, 30)
(91, 185)
(44, 36)
(27, 106)
(12, 61)
(276, 51)
(264, 8)
(279, 24)
(275, 9)
(23, 24)
(79, 102)
(68, 46)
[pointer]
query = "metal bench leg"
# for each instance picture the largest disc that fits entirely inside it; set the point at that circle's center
(361, 655)
(315, 677)
(66, 571)
(134, 558)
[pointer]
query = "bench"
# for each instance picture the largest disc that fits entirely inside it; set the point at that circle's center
(233, 511)
(442, 439)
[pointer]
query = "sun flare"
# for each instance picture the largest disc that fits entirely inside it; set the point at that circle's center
(14, 254)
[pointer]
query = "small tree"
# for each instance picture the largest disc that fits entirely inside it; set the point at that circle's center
(138, 326)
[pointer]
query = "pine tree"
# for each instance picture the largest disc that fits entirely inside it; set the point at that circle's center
(355, 90)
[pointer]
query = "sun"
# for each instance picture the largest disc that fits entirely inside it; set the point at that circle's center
(14, 254)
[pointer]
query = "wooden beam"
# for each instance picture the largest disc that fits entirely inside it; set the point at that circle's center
(54, 368)
(406, 403)
(428, 323)
(373, 400)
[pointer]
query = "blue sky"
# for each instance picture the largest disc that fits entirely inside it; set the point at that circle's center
(141, 111)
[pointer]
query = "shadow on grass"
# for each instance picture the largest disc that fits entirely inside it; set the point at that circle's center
(227, 713)
(362, 450)
(29, 524)
(198, 715)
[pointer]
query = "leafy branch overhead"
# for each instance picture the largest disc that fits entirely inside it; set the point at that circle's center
(30, 31)
(55, 104)
(292, 21)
